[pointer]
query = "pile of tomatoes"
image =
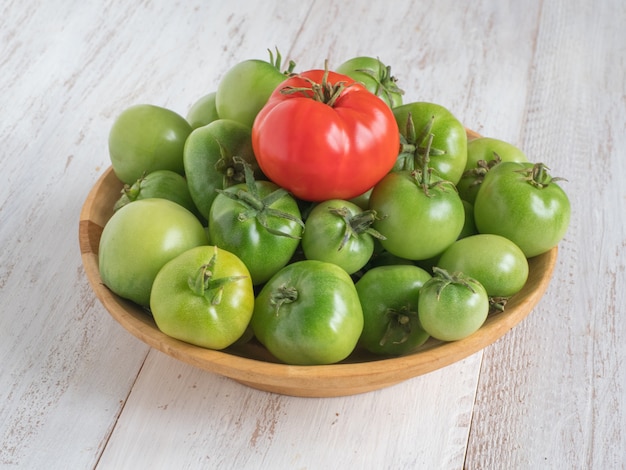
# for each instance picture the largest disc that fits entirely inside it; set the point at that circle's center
(317, 213)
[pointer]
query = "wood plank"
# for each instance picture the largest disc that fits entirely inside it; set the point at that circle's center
(180, 417)
(561, 404)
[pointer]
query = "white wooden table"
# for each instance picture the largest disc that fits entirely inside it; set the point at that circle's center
(77, 391)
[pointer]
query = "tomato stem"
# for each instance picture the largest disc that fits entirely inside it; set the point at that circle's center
(416, 147)
(258, 207)
(398, 321)
(285, 294)
(539, 176)
(324, 92)
(357, 224)
(447, 278)
(203, 283)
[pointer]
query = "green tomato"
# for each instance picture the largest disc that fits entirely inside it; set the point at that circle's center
(145, 138)
(204, 297)
(494, 261)
(246, 87)
(164, 184)
(469, 226)
(448, 150)
(139, 239)
(389, 298)
(308, 313)
(522, 202)
(214, 158)
(452, 306)
(339, 232)
(203, 111)
(375, 76)
(260, 223)
(482, 155)
(419, 217)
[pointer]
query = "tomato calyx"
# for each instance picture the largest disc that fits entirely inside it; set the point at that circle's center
(260, 207)
(398, 324)
(386, 84)
(284, 294)
(324, 92)
(204, 284)
(497, 304)
(416, 148)
(130, 191)
(423, 177)
(277, 62)
(231, 167)
(481, 169)
(446, 279)
(538, 176)
(357, 224)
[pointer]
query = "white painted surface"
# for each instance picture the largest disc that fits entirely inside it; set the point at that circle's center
(77, 391)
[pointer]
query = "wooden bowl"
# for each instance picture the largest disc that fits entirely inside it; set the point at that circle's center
(252, 365)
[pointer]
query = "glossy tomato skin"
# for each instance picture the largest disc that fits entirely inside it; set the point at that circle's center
(509, 204)
(245, 88)
(308, 313)
(263, 252)
(203, 111)
(450, 310)
(389, 298)
(145, 138)
(482, 154)
(416, 225)
(329, 236)
(318, 151)
(496, 262)
(139, 239)
(449, 137)
(164, 184)
(209, 158)
(375, 76)
(204, 297)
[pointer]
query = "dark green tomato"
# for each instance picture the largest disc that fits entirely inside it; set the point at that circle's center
(375, 76)
(246, 87)
(204, 296)
(482, 155)
(139, 239)
(496, 262)
(452, 307)
(260, 228)
(308, 313)
(522, 202)
(145, 138)
(213, 158)
(339, 232)
(164, 184)
(417, 223)
(203, 111)
(389, 298)
(448, 149)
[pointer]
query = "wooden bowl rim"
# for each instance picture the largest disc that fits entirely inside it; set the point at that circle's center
(345, 378)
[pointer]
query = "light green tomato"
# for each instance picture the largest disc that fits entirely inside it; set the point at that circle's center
(204, 296)
(139, 239)
(145, 138)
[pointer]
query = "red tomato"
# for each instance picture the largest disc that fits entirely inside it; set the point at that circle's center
(323, 136)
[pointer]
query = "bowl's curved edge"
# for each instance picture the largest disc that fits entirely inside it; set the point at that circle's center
(304, 381)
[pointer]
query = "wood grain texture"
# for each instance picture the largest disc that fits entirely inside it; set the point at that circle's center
(77, 391)
(566, 389)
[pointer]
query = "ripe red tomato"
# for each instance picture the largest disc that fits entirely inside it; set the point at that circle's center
(323, 136)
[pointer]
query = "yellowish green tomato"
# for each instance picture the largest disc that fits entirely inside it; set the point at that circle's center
(204, 296)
